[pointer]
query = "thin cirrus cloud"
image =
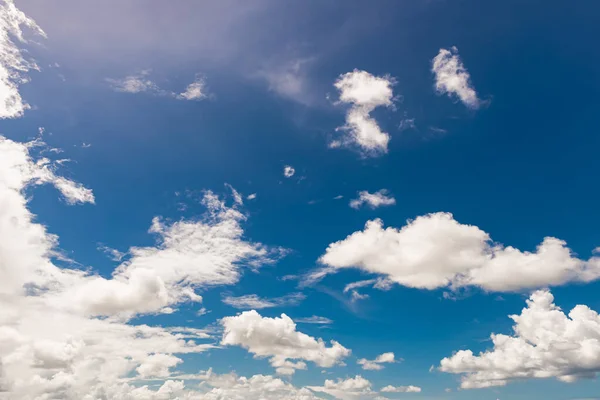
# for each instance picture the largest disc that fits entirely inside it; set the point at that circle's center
(364, 92)
(436, 251)
(380, 198)
(141, 83)
(453, 79)
(252, 301)
(278, 340)
(547, 343)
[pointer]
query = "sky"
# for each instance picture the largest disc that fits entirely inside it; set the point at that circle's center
(299, 200)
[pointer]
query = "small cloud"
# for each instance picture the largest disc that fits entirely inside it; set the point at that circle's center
(113, 254)
(314, 320)
(453, 79)
(202, 311)
(136, 83)
(254, 302)
(251, 196)
(288, 171)
(195, 90)
(407, 124)
(141, 83)
(364, 92)
(338, 197)
(376, 364)
(373, 200)
(85, 145)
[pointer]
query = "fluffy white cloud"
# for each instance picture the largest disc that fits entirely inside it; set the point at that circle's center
(546, 343)
(452, 78)
(435, 251)
(373, 200)
(375, 365)
(401, 389)
(194, 91)
(288, 171)
(51, 343)
(252, 301)
(346, 389)
(364, 92)
(13, 65)
(257, 387)
(278, 339)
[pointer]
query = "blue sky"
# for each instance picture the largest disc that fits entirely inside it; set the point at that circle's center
(299, 200)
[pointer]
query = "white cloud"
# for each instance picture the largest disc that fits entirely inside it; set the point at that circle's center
(114, 254)
(258, 387)
(373, 200)
(288, 171)
(237, 197)
(346, 389)
(194, 91)
(314, 320)
(364, 92)
(379, 283)
(251, 196)
(13, 65)
(136, 83)
(435, 251)
(375, 365)
(141, 83)
(452, 78)
(278, 339)
(546, 344)
(401, 389)
(252, 301)
(51, 343)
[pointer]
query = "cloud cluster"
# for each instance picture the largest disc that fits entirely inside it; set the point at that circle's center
(376, 364)
(364, 92)
(436, 251)
(278, 339)
(373, 200)
(13, 65)
(401, 389)
(453, 79)
(253, 301)
(52, 343)
(546, 343)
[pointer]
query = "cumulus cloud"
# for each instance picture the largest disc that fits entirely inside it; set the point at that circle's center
(376, 364)
(278, 339)
(346, 389)
(288, 171)
(547, 343)
(52, 345)
(435, 251)
(258, 387)
(364, 92)
(373, 200)
(452, 78)
(401, 389)
(140, 82)
(13, 65)
(253, 301)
